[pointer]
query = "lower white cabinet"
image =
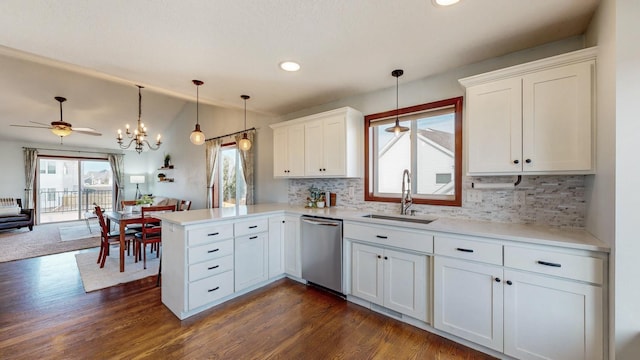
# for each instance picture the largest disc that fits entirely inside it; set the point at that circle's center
(389, 278)
(251, 260)
(291, 235)
(276, 246)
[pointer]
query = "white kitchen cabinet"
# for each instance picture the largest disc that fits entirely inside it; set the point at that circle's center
(292, 255)
(389, 278)
(330, 144)
(535, 118)
(251, 260)
(288, 151)
(276, 246)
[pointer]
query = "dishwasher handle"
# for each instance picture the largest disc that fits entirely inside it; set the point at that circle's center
(320, 222)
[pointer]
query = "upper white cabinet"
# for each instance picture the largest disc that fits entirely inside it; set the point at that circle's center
(535, 118)
(328, 144)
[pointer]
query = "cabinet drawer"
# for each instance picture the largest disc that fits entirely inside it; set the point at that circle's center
(211, 267)
(390, 236)
(468, 249)
(209, 234)
(252, 226)
(583, 268)
(210, 251)
(210, 289)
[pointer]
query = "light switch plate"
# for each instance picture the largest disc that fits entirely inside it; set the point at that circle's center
(474, 196)
(519, 198)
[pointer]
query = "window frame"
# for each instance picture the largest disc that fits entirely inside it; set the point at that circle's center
(218, 193)
(369, 169)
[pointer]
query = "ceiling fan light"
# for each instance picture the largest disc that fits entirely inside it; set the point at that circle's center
(61, 130)
(197, 136)
(244, 144)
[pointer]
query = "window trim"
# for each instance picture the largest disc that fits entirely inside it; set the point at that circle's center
(368, 156)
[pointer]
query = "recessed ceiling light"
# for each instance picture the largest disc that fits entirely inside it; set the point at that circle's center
(289, 66)
(445, 2)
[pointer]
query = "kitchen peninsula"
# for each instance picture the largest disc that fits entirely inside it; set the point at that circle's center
(491, 286)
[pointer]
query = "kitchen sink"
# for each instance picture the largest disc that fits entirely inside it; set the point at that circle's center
(412, 219)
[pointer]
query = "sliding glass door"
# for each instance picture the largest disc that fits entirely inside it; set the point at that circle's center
(68, 188)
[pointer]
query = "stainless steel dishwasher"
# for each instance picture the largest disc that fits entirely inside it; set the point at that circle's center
(321, 249)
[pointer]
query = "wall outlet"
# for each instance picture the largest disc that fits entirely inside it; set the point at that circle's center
(352, 191)
(519, 198)
(474, 196)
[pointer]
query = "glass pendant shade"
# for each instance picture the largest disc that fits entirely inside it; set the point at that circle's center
(197, 136)
(245, 143)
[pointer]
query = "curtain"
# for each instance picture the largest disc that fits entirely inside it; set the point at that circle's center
(30, 162)
(212, 148)
(117, 167)
(246, 158)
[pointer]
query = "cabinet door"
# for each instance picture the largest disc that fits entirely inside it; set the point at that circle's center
(547, 318)
(494, 127)
(276, 246)
(468, 301)
(288, 151)
(557, 123)
(292, 264)
(367, 273)
(280, 152)
(314, 148)
(334, 147)
(405, 283)
(251, 260)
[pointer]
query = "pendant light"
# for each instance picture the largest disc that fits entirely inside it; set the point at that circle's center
(245, 144)
(397, 129)
(197, 136)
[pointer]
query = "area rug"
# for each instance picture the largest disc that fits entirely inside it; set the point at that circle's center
(77, 232)
(95, 278)
(43, 240)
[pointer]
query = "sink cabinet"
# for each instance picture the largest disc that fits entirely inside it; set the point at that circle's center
(251, 252)
(327, 144)
(535, 118)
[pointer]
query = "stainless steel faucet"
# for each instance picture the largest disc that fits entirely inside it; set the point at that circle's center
(406, 202)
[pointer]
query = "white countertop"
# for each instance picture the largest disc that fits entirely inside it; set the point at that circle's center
(535, 234)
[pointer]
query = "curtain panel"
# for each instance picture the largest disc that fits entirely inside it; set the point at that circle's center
(246, 158)
(212, 148)
(117, 167)
(30, 163)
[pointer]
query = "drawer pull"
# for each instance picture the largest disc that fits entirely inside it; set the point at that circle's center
(212, 251)
(381, 237)
(546, 263)
(465, 250)
(213, 267)
(253, 226)
(498, 279)
(214, 289)
(213, 234)
(509, 282)
(253, 237)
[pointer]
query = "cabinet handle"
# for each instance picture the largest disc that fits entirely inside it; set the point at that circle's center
(509, 282)
(516, 161)
(283, 221)
(386, 258)
(214, 289)
(253, 226)
(213, 267)
(379, 257)
(546, 263)
(498, 279)
(381, 237)
(213, 234)
(528, 161)
(465, 250)
(253, 237)
(212, 251)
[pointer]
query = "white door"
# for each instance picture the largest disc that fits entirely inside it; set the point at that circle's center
(367, 273)
(292, 264)
(251, 260)
(405, 283)
(276, 246)
(494, 127)
(334, 155)
(547, 318)
(557, 119)
(468, 301)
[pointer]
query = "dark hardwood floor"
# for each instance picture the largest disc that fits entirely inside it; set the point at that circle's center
(45, 314)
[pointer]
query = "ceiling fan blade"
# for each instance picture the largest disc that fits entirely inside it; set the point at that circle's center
(87, 131)
(39, 123)
(32, 126)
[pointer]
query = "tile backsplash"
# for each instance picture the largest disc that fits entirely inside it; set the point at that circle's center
(548, 200)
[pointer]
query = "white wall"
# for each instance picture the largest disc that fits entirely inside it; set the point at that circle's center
(12, 175)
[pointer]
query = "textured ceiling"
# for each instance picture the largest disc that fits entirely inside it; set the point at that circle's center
(345, 47)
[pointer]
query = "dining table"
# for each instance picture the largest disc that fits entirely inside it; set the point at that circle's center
(123, 219)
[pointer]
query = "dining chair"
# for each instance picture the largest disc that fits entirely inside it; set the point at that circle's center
(107, 238)
(150, 233)
(184, 205)
(123, 203)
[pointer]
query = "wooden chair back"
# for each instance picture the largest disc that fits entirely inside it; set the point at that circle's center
(148, 229)
(184, 205)
(103, 223)
(127, 203)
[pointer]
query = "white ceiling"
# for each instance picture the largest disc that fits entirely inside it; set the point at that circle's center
(346, 47)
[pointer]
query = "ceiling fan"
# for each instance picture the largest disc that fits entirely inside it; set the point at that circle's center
(62, 128)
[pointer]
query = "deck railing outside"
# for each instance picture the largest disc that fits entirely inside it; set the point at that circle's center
(69, 205)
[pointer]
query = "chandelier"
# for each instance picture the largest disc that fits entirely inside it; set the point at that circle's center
(138, 136)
